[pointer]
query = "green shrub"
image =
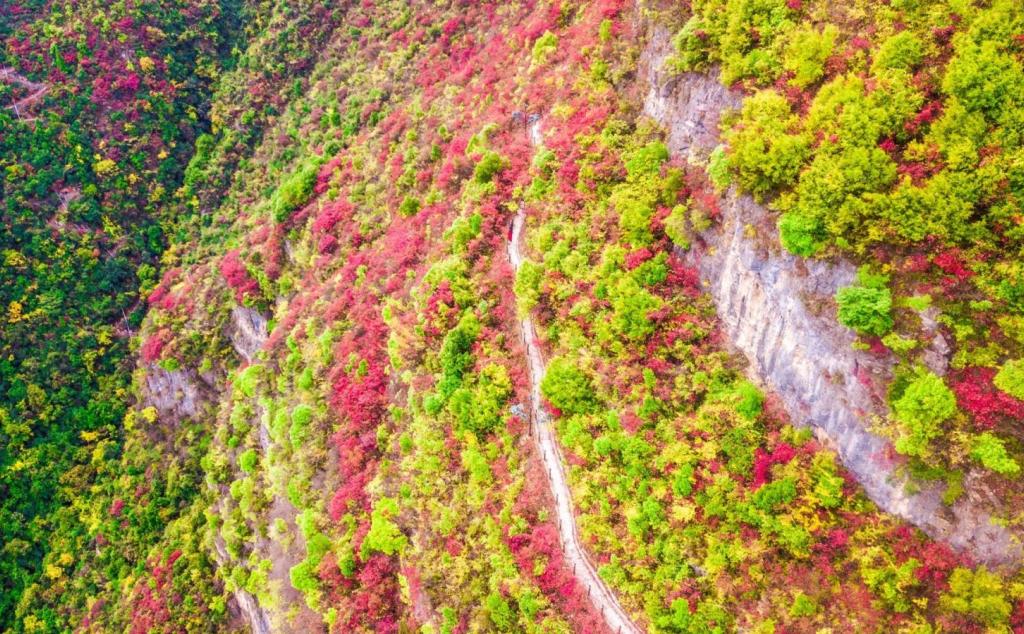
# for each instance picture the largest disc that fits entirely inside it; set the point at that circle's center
(500, 613)
(248, 379)
(902, 51)
(865, 310)
(802, 605)
(409, 206)
(384, 535)
(303, 577)
(528, 602)
(923, 406)
(527, 285)
(983, 76)
(676, 229)
(456, 357)
(718, 167)
(979, 594)
(806, 53)
(567, 388)
(479, 408)
(801, 235)
(543, 47)
(647, 160)
(302, 415)
(749, 400)
(247, 461)
(293, 192)
(1010, 378)
(764, 153)
(990, 451)
(305, 379)
(631, 306)
(490, 164)
(463, 231)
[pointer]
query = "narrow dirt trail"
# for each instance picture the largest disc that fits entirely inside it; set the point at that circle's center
(38, 90)
(600, 594)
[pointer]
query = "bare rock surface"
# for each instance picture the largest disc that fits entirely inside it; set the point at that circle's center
(247, 331)
(176, 394)
(777, 310)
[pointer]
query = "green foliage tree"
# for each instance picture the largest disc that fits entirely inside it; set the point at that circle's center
(902, 51)
(302, 415)
(1010, 378)
(248, 459)
(807, 50)
(490, 164)
(763, 151)
(865, 310)
(384, 535)
(293, 192)
(989, 450)
(979, 594)
(543, 47)
(566, 387)
(923, 406)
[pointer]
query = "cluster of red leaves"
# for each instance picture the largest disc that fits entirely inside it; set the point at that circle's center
(937, 560)
(154, 597)
(926, 115)
(764, 461)
(153, 347)
(986, 403)
(541, 544)
(237, 276)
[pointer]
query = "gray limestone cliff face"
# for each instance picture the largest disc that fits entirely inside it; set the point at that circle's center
(186, 393)
(777, 310)
(247, 330)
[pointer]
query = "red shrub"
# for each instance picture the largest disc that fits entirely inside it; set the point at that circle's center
(237, 276)
(986, 403)
(153, 347)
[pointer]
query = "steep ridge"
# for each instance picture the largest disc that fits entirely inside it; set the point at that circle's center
(776, 310)
(600, 594)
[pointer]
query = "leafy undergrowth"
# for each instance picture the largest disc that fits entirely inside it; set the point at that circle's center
(891, 133)
(99, 106)
(366, 469)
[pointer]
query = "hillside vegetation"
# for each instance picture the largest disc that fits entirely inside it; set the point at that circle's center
(261, 362)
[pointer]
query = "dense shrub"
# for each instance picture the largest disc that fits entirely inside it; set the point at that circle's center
(293, 192)
(806, 52)
(490, 164)
(866, 310)
(567, 388)
(762, 149)
(979, 594)
(990, 451)
(924, 404)
(1010, 378)
(902, 51)
(247, 460)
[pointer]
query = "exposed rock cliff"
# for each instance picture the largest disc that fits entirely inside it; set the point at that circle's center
(777, 310)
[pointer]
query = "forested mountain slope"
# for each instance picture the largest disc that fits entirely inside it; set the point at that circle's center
(401, 316)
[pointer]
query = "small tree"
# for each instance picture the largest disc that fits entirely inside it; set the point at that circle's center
(566, 387)
(921, 409)
(978, 594)
(990, 451)
(1010, 378)
(866, 310)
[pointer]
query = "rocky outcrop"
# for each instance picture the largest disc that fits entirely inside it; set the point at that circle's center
(247, 331)
(176, 394)
(778, 311)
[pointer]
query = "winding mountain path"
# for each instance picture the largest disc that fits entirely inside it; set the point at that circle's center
(38, 90)
(600, 594)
